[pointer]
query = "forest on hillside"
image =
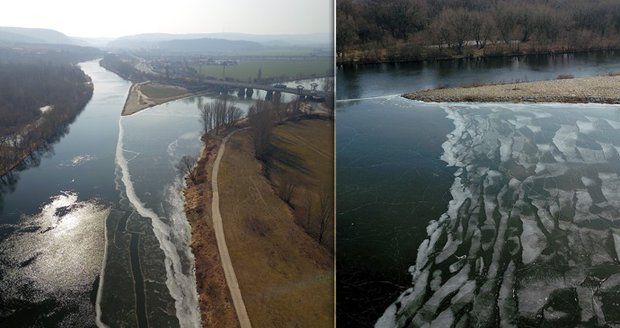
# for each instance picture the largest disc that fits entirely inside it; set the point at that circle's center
(392, 30)
(39, 96)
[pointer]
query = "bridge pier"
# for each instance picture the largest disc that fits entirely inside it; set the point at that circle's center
(249, 92)
(241, 93)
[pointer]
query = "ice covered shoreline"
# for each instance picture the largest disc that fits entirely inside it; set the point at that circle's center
(530, 233)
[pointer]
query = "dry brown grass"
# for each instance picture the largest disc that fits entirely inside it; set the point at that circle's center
(285, 276)
(304, 158)
(215, 303)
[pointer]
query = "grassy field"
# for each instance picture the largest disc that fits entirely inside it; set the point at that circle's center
(304, 157)
(161, 91)
(247, 70)
(285, 276)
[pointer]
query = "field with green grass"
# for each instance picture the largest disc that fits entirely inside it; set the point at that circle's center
(271, 70)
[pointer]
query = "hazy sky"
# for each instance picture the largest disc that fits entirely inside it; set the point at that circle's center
(114, 18)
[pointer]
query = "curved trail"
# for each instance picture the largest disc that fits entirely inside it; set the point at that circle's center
(229, 272)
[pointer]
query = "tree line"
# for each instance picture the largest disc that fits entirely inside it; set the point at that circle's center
(440, 28)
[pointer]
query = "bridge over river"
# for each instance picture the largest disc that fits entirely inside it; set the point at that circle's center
(317, 95)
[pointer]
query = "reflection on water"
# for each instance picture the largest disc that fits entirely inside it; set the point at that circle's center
(53, 209)
(529, 237)
(43, 269)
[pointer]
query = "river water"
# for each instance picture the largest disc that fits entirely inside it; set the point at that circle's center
(52, 217)
(92, 228)
(475, 214)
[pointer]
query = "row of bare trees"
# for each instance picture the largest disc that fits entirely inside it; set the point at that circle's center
(318, 216)
(219, 114)
(456, 24)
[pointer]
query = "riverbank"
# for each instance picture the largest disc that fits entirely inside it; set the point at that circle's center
(215, 302)
(400, 52)
(144, 95)
(596, 89)
(284, 274)
(280, 280)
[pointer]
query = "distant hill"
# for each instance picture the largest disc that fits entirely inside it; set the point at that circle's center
(94, 42)
(150, 40)
(207, 46)
(35, 35)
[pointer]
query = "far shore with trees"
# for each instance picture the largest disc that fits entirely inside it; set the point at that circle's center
(39, 97)
(372, 31)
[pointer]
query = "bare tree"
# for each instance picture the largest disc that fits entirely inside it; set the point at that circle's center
(326, 213)
(279, 108)
(206, 118)
(286, 190)
(186, 167)
(505, 20)
(308, 213)
(261, 119)
(328, 88)
(482, 28)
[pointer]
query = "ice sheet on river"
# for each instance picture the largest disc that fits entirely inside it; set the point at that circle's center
(531, 236)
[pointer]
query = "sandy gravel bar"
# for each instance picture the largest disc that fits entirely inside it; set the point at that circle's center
(597, 89)
(137, 100)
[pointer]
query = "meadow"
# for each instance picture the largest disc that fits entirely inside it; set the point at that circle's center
(270, 70)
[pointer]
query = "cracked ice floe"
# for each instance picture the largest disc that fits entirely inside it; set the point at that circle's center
(617, 244)
(532, 239)
(448, 250)
(527, 201)
(588, 182)
(406, 304)
(610, 151)
(614, 124)
(506, 302)
(565, 140)
(610, 187)
(534, 128)
(592, 155)
(444, 319)
(582, 206)
(585, 127)
(429, 308)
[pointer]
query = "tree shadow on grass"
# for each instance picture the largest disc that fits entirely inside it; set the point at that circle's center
(281, 157)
